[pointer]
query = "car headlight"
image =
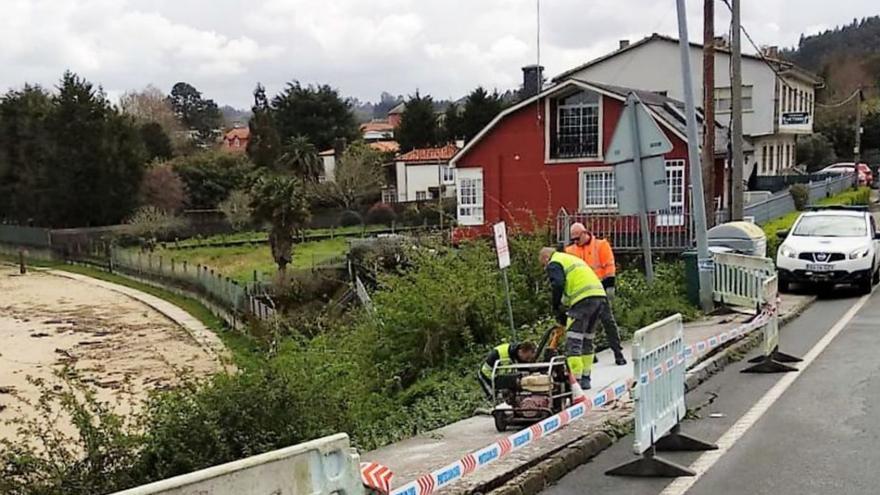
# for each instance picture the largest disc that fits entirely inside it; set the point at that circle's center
(859, 253)
(787, 252)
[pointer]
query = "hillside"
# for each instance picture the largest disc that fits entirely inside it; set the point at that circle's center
(847, 57)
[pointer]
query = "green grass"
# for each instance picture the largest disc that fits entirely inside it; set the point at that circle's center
(240, 262)
(262, 236)
(245, 352)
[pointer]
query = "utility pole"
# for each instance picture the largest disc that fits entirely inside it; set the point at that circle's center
(857, 150)
(709, 107)
(737, 166)
(704, 260)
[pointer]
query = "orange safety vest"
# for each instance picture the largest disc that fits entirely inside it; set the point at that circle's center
(597, 254)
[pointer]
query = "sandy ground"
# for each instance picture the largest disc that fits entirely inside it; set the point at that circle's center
(120, 346)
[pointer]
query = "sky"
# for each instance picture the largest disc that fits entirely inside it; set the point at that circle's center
(362, 47)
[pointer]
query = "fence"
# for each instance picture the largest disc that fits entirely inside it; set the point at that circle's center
(659, 363)
(668, 232)
(739, 279)
(25, 236)
(782, 203)
(321, 467)
(201, 279)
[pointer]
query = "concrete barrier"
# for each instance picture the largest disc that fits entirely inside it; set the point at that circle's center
(321, 467)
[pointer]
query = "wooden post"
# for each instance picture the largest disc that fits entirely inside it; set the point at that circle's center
(22, 265)
(709, 108)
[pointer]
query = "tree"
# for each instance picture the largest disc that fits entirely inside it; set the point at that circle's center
(387, 101)
(815, 151)
(281, 202)
(156, 141)
(300, 158)
(314, 111)
(97, 158)
(150, 222)
(163, 189)
(210, 176)
(358, 177)
(237, 208)
(453, 124)
(264, 144)
(479, 109)
(196, 113)
(24, 154)
(418, 124)
(150, 105)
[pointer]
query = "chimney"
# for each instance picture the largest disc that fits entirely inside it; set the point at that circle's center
(459, 143)
(771, 51)
(722, 42)
(533, 80)
(623, 44)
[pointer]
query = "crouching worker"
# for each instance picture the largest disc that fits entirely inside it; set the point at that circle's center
(505, 354)
(577, 298)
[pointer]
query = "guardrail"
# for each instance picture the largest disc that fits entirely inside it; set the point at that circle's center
(671, 233)
(321, 467)
(739, 278)
(659, 363)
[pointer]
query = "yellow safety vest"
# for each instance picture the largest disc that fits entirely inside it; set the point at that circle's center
(504, 359)
(581, 281)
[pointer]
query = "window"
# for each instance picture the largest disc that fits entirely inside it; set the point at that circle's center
(723, 96)
(598, 191)
(421, 195)
(770, 163)
(469, 187)
(447, 174)
(577, 126)
(785, 162)
(389, 195)
(674, 215)
(764, 163)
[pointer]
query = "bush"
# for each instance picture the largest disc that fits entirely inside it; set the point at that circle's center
(237, 209)
(411, 215)
(800, 193)
(210, 176)
(381, 213)
(149, 223)
(350, 218)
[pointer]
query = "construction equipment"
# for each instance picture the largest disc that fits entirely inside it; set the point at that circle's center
(526, 393)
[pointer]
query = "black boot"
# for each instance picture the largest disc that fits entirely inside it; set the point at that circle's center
(619, 359)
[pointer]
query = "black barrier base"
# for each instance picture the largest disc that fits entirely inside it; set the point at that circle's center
(651, 466)
(774, 363)
(678, 441)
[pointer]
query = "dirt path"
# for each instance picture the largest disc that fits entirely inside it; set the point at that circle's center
(107, 339)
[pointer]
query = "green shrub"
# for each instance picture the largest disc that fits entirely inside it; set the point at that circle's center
(800, 193)
(349, 218)
(381, 213)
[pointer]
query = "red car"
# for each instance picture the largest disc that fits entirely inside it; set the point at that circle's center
(866, 177)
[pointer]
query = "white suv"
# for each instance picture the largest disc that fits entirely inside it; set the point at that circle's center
(831, 245)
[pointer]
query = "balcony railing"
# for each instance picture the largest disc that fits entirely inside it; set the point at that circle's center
(669, 233)
(575, 147)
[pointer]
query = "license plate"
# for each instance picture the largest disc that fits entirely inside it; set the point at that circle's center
(819, 268)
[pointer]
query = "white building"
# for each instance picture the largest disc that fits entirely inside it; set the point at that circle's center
(778, 97)
(423, 174)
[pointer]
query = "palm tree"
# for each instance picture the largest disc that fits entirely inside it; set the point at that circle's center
(281, 202)
(300, 158)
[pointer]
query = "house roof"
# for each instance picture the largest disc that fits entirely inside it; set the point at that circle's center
(380, 146)
(667, 111)
(399, 108)
(781, 65)
(377, 126)
(441, 154)
(238, 132)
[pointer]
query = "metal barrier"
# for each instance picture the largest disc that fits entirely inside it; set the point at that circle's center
(321, 467)
(671, 233)
(739, 279)
(771, 361)
(659, 365)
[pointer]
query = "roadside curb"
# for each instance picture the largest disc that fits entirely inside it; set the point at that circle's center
(547, 471)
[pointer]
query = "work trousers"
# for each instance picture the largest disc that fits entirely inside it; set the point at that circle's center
(609, 324)
(579, 334)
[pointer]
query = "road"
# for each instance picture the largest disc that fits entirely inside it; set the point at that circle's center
(820, 434)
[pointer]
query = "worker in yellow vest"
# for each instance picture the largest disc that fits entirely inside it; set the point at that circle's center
(502, 355)
(577, 298)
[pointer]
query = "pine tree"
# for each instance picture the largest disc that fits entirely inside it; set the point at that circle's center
(264, 144)
(418, 125)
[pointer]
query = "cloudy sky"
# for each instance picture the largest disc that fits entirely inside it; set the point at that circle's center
(362, 47)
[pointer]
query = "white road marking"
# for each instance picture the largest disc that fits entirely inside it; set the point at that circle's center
(731, 436)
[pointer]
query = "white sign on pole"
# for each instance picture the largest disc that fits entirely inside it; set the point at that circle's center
(652, 139)
(654, 178)
(501, 247)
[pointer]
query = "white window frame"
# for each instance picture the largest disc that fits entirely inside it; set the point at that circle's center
(609, 202)
(674, 215)
(389, 195)
(724, 94)
(469, 188)
(447, 174)
(548, 158)
(421, 195)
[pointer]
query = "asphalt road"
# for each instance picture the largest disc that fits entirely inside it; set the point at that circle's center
(821, 435)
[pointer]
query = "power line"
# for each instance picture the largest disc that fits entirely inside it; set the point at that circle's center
(842, 103)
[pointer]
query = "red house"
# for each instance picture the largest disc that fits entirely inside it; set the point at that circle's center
(546, 154)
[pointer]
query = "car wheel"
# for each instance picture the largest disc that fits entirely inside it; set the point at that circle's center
(784, 286)
(875, 279)
(865, 285)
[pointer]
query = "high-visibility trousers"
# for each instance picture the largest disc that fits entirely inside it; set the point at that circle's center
(579, 333)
